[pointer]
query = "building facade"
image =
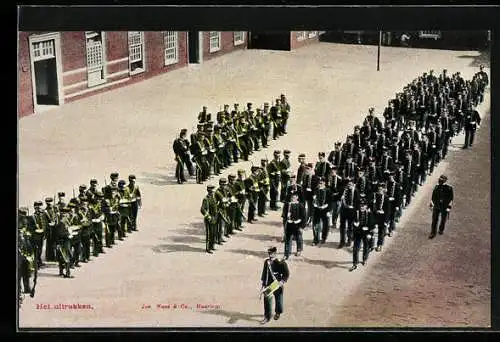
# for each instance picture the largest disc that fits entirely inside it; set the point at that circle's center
(59, 67)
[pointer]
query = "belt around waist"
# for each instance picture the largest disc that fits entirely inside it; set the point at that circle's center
(294, 221)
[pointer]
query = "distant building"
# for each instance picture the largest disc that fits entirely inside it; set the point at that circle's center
(59, 67)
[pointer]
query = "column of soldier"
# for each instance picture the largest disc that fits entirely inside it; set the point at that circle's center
(365, 183)
(71, 230)
(235, 135)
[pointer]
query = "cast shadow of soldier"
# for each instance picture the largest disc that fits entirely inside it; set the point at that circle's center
(156, 178)
(194, 234)
(234, 316)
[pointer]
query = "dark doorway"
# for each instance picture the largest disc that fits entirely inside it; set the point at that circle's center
(276, 40)
(46, 82)
(194, 46)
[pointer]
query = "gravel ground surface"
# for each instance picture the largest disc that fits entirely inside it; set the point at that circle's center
(412, 282)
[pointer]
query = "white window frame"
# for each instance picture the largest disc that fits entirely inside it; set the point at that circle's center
(237, 39)
(429, 34)
(91, 84)
(169, 47)
(312, 34)
(213, 48)
(301, 35)
(142, 47)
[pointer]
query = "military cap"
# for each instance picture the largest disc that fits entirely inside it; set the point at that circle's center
(209, 129)
(93, 181)
(287, 152)
(231, 176)
(226, 106)
(82, 187)
(71, 205)
(272, 250)
(121, 182)
(276, 152)
(131, 177)
(222, 181)
(259, 110)
(349, 136)
(236, 104)
(204, 107)
(210, 187)
(241, 171)
(114, 175)
(49, 200)
(254, 168)
(217, 128)
(249, 104)
(371, 109)
(302, 155)
(184, 130)
(356, 127)
(266, 104)
(321, 154)
(66, 209)
(338, 143)
(83, 199)
(61, 194)
(310, 165)
(443, 178)
(23, 211)
(38, 204)
(200, 125)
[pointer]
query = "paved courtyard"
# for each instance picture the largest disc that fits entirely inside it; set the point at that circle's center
(412, 282)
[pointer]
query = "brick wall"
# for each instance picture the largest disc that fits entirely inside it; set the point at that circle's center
(25, 89)
(227, 44)
(295, 43)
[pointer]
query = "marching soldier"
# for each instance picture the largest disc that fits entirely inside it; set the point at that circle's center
(97, 221)
(63, 244)
(335, 184)
(394, 197)
(113, 183)
(483, 82)
(447, 131)
(362, 233)
(441, 204)
(116, 210)
(203, 116)
(274, 171)
(209, 211)
(350, 203)
(266, 127)
(322, 167)
(252, 188)
(374, 175)
(112, 219)
(373, 120)
(264, 188)
(61, 203)
(92, 191)
(337, 156)
(308, 187)
(380, 210)
(39, 232)
(362, 183)
(181, 150)
(242, 142)
(51, 217)
(86, 230)
(235, 210)
(386, 164)
(424, 164)
(240, 193)
(286, 171)
(76, 222)
(349, 171)
(200, 153)
(285, 111)
(25, 249)
(320, 212)
(220, 148)
(212, 159)
(277, 120)
(124, 208)
(292, 188)
(223, 224)
(135, 201)
(302, 167)
(295, 220)
(472, 122)
(82, 192)
(408, 177)
(418, 160)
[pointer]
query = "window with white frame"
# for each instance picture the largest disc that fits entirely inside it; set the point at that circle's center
(301, 35)
(171, 43)
(312, 34)
(95, 58)
(136, 51)
(215, 38)
(429, 34)
(239, 37)
(43, 50)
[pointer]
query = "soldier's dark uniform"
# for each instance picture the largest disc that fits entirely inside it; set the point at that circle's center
(92, 191)
(86, 230)
(239, 191)
(212, 158)
(51, 218)
(75, 233)
(39, 232)
(441, 204)
(302, 167)
(264, 188)
(308, 186)
(61, 203)
(63, 245)
(135, 201)
(235, 210)
(222, 198)
(274, 172)
(483, 82)
(112, 217)
(209, 211)
(472, 122)
(320, 212)
(277, 121)
(350, 203)
(363, 227)
(285, 111)
(322, 168)
(26, 250)
(124, 208)
(274, 269)
(336, 186)
(221, 150)
(266, 125)
(394, 197)
(200, 153)
(252, 189)
(97, 221)
(294, 217)
(181, 150)
(286, 171)
(380, 210)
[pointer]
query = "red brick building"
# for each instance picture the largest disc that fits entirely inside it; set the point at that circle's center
(59, 67)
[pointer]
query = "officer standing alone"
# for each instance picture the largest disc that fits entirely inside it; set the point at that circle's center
(441, 204)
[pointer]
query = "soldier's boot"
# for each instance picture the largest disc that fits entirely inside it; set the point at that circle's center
(61, 269)
(26, 284)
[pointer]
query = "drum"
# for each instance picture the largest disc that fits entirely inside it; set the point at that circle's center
(269, 290)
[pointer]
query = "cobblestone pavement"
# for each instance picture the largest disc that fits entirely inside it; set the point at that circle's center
(330, 87)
